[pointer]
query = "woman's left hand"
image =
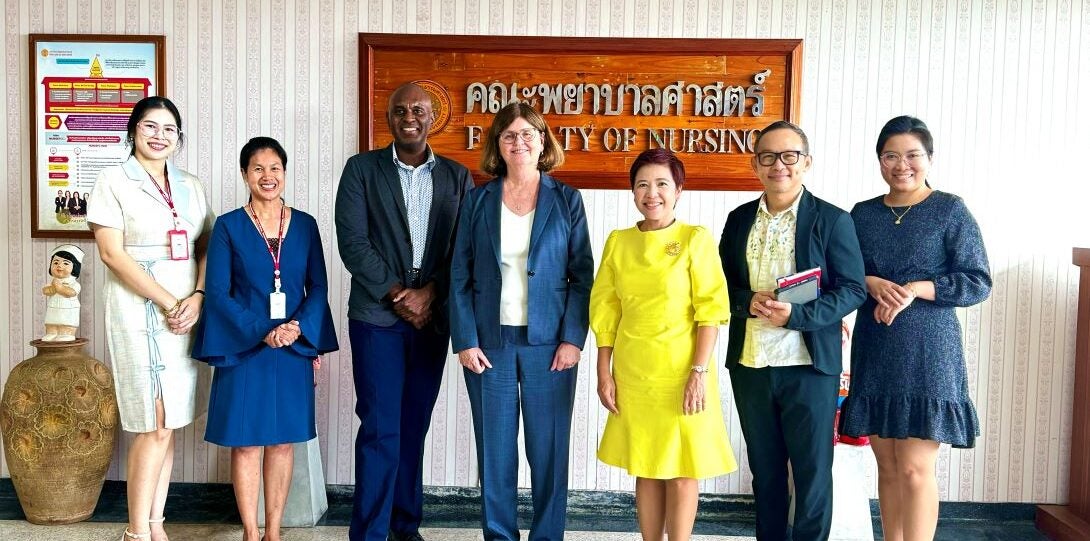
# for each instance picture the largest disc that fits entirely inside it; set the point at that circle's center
(694, 394)
(288, 332)
(886, 314)
(566, 356)
(185, 317)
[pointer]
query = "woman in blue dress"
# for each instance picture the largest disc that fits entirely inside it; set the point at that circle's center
(924, 257)
(266, 320)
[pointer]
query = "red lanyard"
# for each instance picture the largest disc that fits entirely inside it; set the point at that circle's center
(167, 197)
(279, 242)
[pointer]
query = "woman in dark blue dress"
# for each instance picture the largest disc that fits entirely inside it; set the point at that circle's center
(924, 257)
(266, 320)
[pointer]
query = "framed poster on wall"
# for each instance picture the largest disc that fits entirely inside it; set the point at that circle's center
(83, 88)
(605, 99)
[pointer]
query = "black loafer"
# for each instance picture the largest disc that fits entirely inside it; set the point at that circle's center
(394, 536)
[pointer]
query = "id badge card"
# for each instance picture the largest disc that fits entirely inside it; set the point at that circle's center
(179, 244)
(278, 305)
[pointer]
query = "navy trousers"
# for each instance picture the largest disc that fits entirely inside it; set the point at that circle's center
(787, 415)
(397, 372)
(520, 379)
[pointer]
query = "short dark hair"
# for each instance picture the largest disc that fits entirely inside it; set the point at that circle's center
(552, 156)
(64, 254)
(658, 156)
(141, 109)
(783, 125)
(261, 143)
(905, 124)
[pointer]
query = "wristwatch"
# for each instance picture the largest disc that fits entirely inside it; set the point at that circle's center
(700, 369)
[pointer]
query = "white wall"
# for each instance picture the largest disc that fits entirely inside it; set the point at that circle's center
(997, 81)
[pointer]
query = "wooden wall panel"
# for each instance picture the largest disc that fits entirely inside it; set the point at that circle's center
(716, 147)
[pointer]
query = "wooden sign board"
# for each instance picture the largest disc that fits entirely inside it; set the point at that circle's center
(605, 99)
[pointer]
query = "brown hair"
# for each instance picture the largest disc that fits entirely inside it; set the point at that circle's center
(658, 156)
(552, 156)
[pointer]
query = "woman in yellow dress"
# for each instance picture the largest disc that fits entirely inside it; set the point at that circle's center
(655, 309)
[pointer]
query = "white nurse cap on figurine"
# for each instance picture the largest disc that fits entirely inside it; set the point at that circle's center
(72, 249)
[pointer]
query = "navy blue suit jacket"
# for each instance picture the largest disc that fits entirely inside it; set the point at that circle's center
(560, 267)
(824, 237)
(373, 232)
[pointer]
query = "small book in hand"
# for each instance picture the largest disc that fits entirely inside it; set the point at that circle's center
(799, 288)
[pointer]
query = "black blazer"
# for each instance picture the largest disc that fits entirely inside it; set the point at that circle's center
(373, 232)
(824, 237)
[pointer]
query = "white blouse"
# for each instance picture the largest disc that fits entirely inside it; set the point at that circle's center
(514, 249)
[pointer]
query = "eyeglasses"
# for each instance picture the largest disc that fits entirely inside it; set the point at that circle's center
(151, 129)
(527, 135)
(891, 159)
(788, 157)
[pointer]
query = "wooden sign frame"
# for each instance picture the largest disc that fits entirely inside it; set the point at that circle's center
(448, 65)
(83, 132)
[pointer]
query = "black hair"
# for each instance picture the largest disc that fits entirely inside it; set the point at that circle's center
(261, 143)
(141, 108)
(906, 125)
(783, 125)
(63, 254)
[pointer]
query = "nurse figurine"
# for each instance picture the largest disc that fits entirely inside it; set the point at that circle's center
(62, 292)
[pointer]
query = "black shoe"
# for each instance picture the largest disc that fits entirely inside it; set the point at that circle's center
(394, 536)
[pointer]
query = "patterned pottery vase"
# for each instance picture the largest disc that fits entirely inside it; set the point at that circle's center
(59, 421)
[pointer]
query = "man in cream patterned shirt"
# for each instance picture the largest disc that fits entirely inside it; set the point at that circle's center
(784, 358)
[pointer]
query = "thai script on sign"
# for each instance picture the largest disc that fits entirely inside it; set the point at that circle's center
(716, 99)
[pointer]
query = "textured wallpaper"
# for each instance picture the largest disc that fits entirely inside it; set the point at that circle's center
(1002, 84)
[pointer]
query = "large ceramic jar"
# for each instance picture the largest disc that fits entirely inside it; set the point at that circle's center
(59, 421)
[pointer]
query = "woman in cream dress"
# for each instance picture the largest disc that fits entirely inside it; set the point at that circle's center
(151, 221)
(655, 309)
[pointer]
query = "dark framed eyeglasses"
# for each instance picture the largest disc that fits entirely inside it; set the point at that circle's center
(788, 157)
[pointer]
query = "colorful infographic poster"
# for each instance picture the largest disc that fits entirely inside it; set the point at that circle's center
(84, 94)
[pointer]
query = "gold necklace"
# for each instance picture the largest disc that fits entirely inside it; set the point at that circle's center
(901, 215)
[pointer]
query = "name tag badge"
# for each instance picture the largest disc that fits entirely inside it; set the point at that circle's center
(179, 244)
(278, 305)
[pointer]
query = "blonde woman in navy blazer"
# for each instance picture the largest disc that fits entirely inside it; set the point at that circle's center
(519, 316)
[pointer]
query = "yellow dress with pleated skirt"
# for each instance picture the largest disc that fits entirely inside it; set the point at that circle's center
(652, 291)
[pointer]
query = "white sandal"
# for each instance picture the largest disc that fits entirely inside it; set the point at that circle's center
(129, 535)
(154, 521)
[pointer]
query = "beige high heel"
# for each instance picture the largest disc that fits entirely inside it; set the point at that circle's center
(138, 536)
(158, 521)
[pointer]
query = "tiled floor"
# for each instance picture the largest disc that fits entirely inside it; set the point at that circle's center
(207, 513)
(97, 531)
(11, 530)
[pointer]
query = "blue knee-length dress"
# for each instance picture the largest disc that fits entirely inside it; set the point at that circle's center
(909, 378)
(262, 395)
